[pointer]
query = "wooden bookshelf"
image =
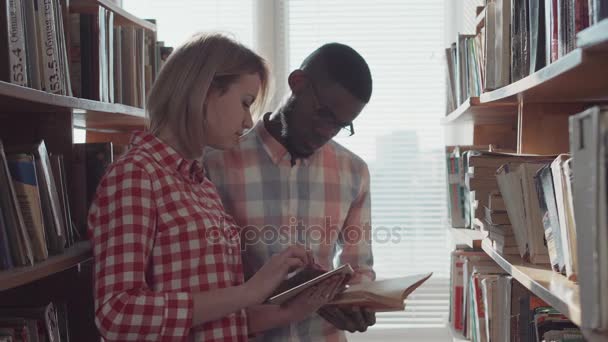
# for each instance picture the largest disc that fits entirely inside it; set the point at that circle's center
(29, 115)
(469, 237)
(580, 76)
(540, 105)
(550, 286)
(474, 110)
(79, 253)
(87, 113)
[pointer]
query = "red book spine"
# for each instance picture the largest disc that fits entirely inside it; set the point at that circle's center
(581, 15)
(554, 37)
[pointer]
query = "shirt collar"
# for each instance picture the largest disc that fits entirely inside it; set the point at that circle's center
(168, 157)
(273, 147)
(276, 151)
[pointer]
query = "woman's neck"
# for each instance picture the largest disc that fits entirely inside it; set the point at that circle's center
(170, 139)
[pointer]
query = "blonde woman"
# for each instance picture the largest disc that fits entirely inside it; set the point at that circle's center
(167, 256)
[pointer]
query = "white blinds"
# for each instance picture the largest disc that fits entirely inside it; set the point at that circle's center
(177, 20)
(398, 133)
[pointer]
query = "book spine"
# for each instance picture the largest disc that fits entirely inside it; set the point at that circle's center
(51, 205)
(61, 37)
(50, 61)
(110, 55)
(31, 40)
(581, 15)
(16, 43)
(118, 65)
(6, 260)
(554, 31)
(75, 55)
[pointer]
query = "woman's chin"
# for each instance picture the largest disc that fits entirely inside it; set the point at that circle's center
(225, 145)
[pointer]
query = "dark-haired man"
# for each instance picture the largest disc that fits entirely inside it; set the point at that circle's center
(288, 182)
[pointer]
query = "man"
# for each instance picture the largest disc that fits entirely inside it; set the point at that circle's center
(288, 182)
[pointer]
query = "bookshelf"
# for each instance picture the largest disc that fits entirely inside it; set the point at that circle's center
(79, 253)
(580, 76)
(474, 110)
(550, 286)
(94, 113)
(536, 110)
(29, 115)
(469, 237)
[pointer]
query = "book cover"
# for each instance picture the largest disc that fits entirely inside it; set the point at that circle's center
(21, 249)
(543, 181)
(49, 198)
(89, 164)
(588, 143)
(564, 210)
(58, 168)
(23, 172)
(533, 219)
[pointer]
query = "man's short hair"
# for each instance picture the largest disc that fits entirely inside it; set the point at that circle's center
(341, 64)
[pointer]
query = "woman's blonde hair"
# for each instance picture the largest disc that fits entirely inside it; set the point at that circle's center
(205, 62)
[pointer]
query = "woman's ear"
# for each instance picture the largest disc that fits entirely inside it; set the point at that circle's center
(297, 81)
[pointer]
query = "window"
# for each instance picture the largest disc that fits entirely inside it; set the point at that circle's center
(177, 20)
(398, 133)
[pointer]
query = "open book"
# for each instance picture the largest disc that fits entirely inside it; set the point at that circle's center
(381, 295)
(304, 279)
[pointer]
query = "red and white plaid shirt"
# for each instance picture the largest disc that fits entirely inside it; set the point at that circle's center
(160, 234)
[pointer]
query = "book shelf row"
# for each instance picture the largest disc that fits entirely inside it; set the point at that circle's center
(579, 76)
(77, 254)
(550, 286)
(543, 212)
(105, 61)
(87, 114)
(553, 288)
(93, 49)
(515, 39)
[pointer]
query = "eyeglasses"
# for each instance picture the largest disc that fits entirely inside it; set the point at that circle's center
(324, 113)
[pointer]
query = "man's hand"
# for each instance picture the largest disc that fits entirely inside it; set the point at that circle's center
(349, 319)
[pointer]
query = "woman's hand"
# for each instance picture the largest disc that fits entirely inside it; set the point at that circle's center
(268, 278)
(312, 299)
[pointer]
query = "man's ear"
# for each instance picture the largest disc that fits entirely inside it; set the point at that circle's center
(297, 81)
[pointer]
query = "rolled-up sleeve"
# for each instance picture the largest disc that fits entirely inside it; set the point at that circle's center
(355, 239)
(122, 225)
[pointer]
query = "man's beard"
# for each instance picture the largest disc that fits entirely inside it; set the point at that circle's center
(286, 134)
